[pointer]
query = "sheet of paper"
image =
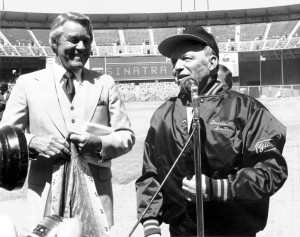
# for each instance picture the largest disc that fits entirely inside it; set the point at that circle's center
(97, 129)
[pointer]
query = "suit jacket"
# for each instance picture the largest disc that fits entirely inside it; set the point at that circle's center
(34, 107)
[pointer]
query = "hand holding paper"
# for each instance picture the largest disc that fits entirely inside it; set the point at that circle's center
(89, 139)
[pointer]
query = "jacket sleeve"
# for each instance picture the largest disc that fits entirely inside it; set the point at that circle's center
(264, 168)
(147, 185)
(122, 139)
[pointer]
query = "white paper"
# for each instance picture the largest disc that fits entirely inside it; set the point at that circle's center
(97, 129)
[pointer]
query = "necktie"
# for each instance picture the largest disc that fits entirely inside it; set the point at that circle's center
(68, 85)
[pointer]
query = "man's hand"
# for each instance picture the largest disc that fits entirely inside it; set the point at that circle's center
(86, 142)
(212, 189)
(189, 188)
(50, 146)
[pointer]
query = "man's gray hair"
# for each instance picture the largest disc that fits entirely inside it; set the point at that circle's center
(57, 26)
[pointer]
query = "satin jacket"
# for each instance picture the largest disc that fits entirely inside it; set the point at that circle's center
(241, 141)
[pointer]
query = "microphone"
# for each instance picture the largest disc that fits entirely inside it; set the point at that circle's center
(187, 84)
(190, 86)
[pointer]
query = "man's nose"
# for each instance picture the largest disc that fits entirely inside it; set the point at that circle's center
(178, 65)
(80, 45)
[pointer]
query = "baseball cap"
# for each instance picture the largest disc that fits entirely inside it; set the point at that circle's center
(195, 33)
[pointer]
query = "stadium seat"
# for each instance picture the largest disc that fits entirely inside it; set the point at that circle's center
(106, 37)
(136, 36)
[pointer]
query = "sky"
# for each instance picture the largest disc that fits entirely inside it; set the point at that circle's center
(135, 6)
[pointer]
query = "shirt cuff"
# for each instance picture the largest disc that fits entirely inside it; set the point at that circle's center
(33, 154)
(151, 227)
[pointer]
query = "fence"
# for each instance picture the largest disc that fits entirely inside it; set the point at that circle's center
(164, 90)
(269, 91)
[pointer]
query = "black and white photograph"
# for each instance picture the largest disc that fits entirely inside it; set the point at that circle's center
(156, 118)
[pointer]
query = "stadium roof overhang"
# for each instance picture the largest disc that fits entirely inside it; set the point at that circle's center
(9, 19)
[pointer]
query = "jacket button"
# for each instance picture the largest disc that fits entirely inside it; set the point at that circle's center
(72, 107)
(73, 120)
(201, 100)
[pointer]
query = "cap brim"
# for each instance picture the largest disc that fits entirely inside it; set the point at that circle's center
(166, 46)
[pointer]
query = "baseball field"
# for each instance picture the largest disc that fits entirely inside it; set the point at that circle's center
(284, 217)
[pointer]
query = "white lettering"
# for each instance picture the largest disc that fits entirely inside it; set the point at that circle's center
(153, 70)
(136, 71)
(127, 71)
(108, 71)
(163, 70)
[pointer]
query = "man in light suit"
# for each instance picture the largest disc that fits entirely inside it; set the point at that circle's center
(40, 105)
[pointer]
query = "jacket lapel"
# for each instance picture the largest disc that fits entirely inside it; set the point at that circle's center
(49, 100)
(92, 91)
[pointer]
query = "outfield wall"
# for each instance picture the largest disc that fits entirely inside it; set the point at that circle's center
(250, 68)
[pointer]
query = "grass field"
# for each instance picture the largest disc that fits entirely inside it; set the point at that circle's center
(284, 217)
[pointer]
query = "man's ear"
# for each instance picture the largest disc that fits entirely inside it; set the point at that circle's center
(214, 61)
(54, 47)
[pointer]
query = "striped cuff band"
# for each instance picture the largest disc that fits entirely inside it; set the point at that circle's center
(151, 227)
(220, 189)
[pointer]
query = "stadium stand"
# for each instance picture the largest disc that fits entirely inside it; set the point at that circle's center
(250, 32)
(281, 43)
(136, 36)
(160, 33)
(37, 51)
(224, 33)
(281, 28)
(10, 50)
(292, 42)
(109, 42)
(106, 37)
(222, 46)
(106, 51)
(120, 50)
(297, 44)
(42, 36)
(270, 44)
(245, 46)
(244, 34)
(2, 52)
(257, 45)
(1, 41)
(49, 51)
(24, 51)
(297, 32)
(232, 46)
(134, 49)
(148, 49)
(19, 37)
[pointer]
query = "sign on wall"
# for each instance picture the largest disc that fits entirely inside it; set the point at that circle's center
(139, 71)
(230, 60)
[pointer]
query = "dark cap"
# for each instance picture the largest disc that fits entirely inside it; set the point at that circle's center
(195, 33)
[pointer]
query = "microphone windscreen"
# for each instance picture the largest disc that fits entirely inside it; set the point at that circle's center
(187, 84)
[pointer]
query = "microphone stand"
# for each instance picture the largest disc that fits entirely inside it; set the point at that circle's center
(197, 159)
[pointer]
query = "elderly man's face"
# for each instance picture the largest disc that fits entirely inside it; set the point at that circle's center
(74, 46)
(189, 61)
